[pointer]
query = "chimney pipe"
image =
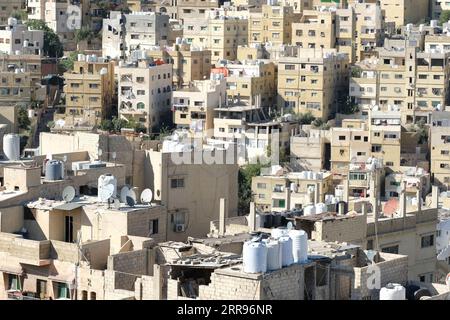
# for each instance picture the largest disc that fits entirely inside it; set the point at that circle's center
(222, 216)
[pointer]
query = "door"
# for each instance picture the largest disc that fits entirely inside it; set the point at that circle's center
(41, 289)
(68, 235)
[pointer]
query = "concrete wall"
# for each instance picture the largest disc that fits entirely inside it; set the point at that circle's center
(11, 219)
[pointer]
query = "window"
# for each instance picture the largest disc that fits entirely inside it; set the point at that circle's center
(93, 85)
(261, 185)
(14, 282)
(278, 203)
(376, 148)
(177, 183)
(391, 249)
(427, 241)
(62, 290)
(341, 138)
(261, 196)
(289, 67)
(153, 226)
(389, 163)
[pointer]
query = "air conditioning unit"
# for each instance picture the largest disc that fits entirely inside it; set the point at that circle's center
(180, 228)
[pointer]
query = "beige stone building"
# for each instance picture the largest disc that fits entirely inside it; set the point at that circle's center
(273, 24)
(309, 150)
(402, 79)
(9, 7)
(291, 190)
(402, 12)
(439, 143)
(188, 62)
(89, 90)
(311, 80)
(145, 91)
(221, 35)
(193, 106)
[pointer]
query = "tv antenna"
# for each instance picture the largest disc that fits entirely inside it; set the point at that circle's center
(68, 193)
(146, 196)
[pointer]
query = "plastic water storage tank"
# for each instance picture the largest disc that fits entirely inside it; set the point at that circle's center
(277, 233)
(299, 245)
(11, 146)
(274, 261)
(309, 210)
(393, 291)
(321, 208)
(254, 256)
(54, 170)
(286, 251)
(105, 179)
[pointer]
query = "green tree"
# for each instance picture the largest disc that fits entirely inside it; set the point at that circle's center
(84, 33)
(22, 118)
(444, 17)
(118, 124)
(21, 15)
(67, 64)
(245, 175)
(106, 125)
(304, 118)
(52, 45)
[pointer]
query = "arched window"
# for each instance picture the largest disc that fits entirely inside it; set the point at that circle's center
(141, 105)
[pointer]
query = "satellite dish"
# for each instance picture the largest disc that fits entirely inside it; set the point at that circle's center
(106, 192)
(290, 226)
(146, 196)
(116, 204)
(123, 194)
(68, 193)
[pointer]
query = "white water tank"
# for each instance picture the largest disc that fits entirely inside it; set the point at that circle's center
(286, 251)
(103, 71)
(279, 232)
(433, 23)
(321, 208)
(304, 174)
(106, 179)
(393, 291)
(310, 175)
(11, 146)
(294, 187)
(309, 210)
(329, 198)
(274, 261)
(254, 257)
(299, 245)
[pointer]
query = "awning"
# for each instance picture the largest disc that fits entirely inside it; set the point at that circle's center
(12, 270)
(69, 206)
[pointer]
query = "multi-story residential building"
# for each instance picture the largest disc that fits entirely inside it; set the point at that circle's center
(415, 178)
(402, 12)
(439, 143)
(36, 9)
(437, 7)
(310, 150)
(145, 91)
(16, 86)
(193, 106)
(250, 82)
(293, 190)
(312, 80)
(89, 91)
(273, 24)
(9, 7)
(402, 79)
(220, 34)
(124, 33)
(16, 38)
(189, 63)
(59, 14)
(184, 9)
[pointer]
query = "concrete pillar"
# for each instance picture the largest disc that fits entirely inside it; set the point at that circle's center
(345, 197)
(419, 199)
(157, 282)
(222, 216)
(252, 217)
(434, 196)
(317, 193)
(341, 209)
(364, 208)
(402, 199)
(287, 196)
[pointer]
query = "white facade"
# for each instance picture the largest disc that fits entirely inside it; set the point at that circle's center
(18, 39)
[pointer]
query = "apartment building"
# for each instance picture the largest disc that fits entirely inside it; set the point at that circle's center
(189, 63)
(220, 34)
(193, 106)
(415, 178)
(16, 38)
(124, 33)
(311, 80)
(273, 24)
(402, 79)
(402, 12)
(89, 90)
(437, 7)
(184, 9)
(310, 150)
(36, 9)
(10, 7)
(293, 190)
(436, 43)
(145, 91)
(439, 143)
(16, 86)
(58, 16)
(250, 82)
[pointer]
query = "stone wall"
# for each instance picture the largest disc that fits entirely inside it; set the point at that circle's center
(64, 251)
(27, 249)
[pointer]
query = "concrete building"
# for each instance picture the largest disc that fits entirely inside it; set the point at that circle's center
(273, 24)
(220, 34)
(145, 91)
(125, 33)
(189, 63)
(310, 150)
(292, 190)
(10, 7)
(402, 12)
(402, 79)
(89, 90)
(439, 144)
(414, 177)
(184, 9)
(16, 38)
(311, 80)
(194, 106)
